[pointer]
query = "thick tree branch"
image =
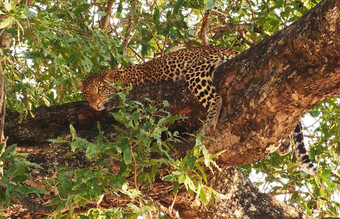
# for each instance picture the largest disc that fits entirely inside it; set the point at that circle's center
(269, 87)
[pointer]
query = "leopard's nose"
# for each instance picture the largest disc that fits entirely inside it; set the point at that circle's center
(99, 106)
(96, 105)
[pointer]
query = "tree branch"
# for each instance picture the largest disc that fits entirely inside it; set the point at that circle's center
(268, 88)
(204, 26)
(129, 28)
(217, 29)
(106, 18)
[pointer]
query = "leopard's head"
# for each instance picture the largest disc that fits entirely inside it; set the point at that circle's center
(96, 89)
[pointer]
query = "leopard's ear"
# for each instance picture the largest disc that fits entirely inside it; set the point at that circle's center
(109, 76)
(80, 86)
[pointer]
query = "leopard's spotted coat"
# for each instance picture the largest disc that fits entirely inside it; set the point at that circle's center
(195, 65)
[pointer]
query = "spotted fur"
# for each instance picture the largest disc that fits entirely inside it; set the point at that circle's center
(195, 65)
(300, 150)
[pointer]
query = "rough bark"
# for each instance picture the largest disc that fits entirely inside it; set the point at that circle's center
(244, 200)
(265, 90)
(269, 87)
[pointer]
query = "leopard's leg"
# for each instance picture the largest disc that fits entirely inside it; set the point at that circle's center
(213, 114)
(200, 84)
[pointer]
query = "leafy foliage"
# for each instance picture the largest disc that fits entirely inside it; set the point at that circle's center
(53, 45)
(141, 148)
(13, 182)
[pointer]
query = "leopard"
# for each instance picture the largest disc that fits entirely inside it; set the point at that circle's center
(195, 65)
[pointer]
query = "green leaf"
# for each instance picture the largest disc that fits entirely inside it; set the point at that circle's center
(169, 177)
(191, 162)
(9, 152)
(175, 188)
(7, 22)
(204, 175)
(127, 156)
(123, 131)
(156, 14)
(83, 8)
(210, 4)
(178, 5)
(203, 196)
(73, 58)
(92, 150)
(101, 13)
(9, 5)
(166, 103)
(120, 118)
(79, 143)
(21, 178)
(59, 140)
(73, 132)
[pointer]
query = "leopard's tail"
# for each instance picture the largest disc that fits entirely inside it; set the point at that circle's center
(301, 152)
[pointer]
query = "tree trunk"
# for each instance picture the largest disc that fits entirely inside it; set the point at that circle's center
(265, 91)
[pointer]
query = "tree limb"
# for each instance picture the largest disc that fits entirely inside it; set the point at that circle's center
(106, 18)
(268, 88)
(204, 26)
(129, 28)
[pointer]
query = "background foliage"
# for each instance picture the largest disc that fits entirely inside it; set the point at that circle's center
(54, 44)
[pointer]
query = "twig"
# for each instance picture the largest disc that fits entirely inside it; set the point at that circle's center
(171, 208)
(99, 200)
(217, 29)
(154, 36)
(164, 44)
(218, 13)
(136, 53)
(129, 28)
(202, 33)
(106, 19)
(252, 12)
(3, 140)
(134, 167)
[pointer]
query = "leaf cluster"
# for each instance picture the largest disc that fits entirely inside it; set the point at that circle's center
(144, 145)
(14, 179)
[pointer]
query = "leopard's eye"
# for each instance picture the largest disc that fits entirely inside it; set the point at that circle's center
(100, 89)
(86, 95)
